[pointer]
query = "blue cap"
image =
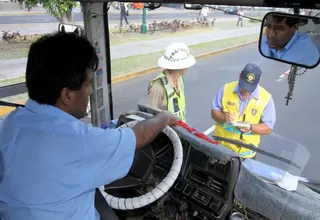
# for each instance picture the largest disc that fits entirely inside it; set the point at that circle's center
(250, 77)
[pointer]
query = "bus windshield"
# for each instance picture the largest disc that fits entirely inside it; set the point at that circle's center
(150, 49)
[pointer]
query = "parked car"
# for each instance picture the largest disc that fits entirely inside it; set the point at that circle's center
(231, 10)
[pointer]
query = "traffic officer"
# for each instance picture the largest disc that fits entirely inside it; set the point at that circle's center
(244, 101)
(166, 91)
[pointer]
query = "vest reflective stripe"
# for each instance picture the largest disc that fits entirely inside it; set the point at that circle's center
(175, 103)
(252, 112)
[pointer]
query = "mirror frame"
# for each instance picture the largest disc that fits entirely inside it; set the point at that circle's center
(279, 60)
(82, 33)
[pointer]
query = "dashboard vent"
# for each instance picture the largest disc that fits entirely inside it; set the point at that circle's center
(198, 177)
(216, 185)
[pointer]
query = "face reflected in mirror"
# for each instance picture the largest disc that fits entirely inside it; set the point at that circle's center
(285, 38)
(280, 30)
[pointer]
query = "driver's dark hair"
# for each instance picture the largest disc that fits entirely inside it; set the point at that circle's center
(290, 21)
(58, 61)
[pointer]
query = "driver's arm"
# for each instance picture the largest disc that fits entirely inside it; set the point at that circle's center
(268, 119)
(147, 130)
(108, 154)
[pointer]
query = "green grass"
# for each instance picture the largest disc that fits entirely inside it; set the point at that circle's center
(141, 62)
(16, 53)
(12, 81)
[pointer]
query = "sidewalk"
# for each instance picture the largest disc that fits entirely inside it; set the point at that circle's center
(16, 67)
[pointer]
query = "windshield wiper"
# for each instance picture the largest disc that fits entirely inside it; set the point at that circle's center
(9, 104)
(258, 150)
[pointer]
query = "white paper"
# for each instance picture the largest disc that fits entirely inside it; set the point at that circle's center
(238, 124)
(273, 175)
(289, 182)
(241, 124)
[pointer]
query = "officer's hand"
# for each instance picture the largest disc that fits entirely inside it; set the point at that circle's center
(169, 117)
(229, 117)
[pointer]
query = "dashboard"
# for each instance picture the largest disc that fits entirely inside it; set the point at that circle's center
(205, 183)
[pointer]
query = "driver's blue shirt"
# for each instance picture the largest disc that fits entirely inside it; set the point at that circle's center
(51, 163)
(300, 49)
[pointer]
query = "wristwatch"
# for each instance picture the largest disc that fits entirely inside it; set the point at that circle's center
(250, 127)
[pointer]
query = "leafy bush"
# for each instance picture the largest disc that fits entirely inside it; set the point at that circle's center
(165, 26)
(13, 37)
(8, 36)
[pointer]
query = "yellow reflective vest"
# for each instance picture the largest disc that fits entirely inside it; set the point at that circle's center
(252, 114)
(176, 103)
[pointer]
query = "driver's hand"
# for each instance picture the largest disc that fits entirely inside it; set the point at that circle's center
(171, 118)
(229, 116)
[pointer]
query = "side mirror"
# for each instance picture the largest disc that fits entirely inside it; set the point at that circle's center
(193, 6)
(292, 39)
(69, 28)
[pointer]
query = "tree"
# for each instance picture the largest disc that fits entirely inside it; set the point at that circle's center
(18, 1)
(61, 9)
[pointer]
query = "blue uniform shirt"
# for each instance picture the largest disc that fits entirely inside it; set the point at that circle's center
(51, 163)
(300, 49)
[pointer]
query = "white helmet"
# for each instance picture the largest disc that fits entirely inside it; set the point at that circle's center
(176, 57)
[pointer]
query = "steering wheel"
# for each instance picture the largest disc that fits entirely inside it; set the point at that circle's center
(161, 188)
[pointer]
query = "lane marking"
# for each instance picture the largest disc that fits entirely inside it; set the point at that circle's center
(210, 130)
(286, 73)
(283, 76)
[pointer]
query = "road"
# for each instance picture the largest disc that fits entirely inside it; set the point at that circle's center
(47, 18)
(296, 129)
